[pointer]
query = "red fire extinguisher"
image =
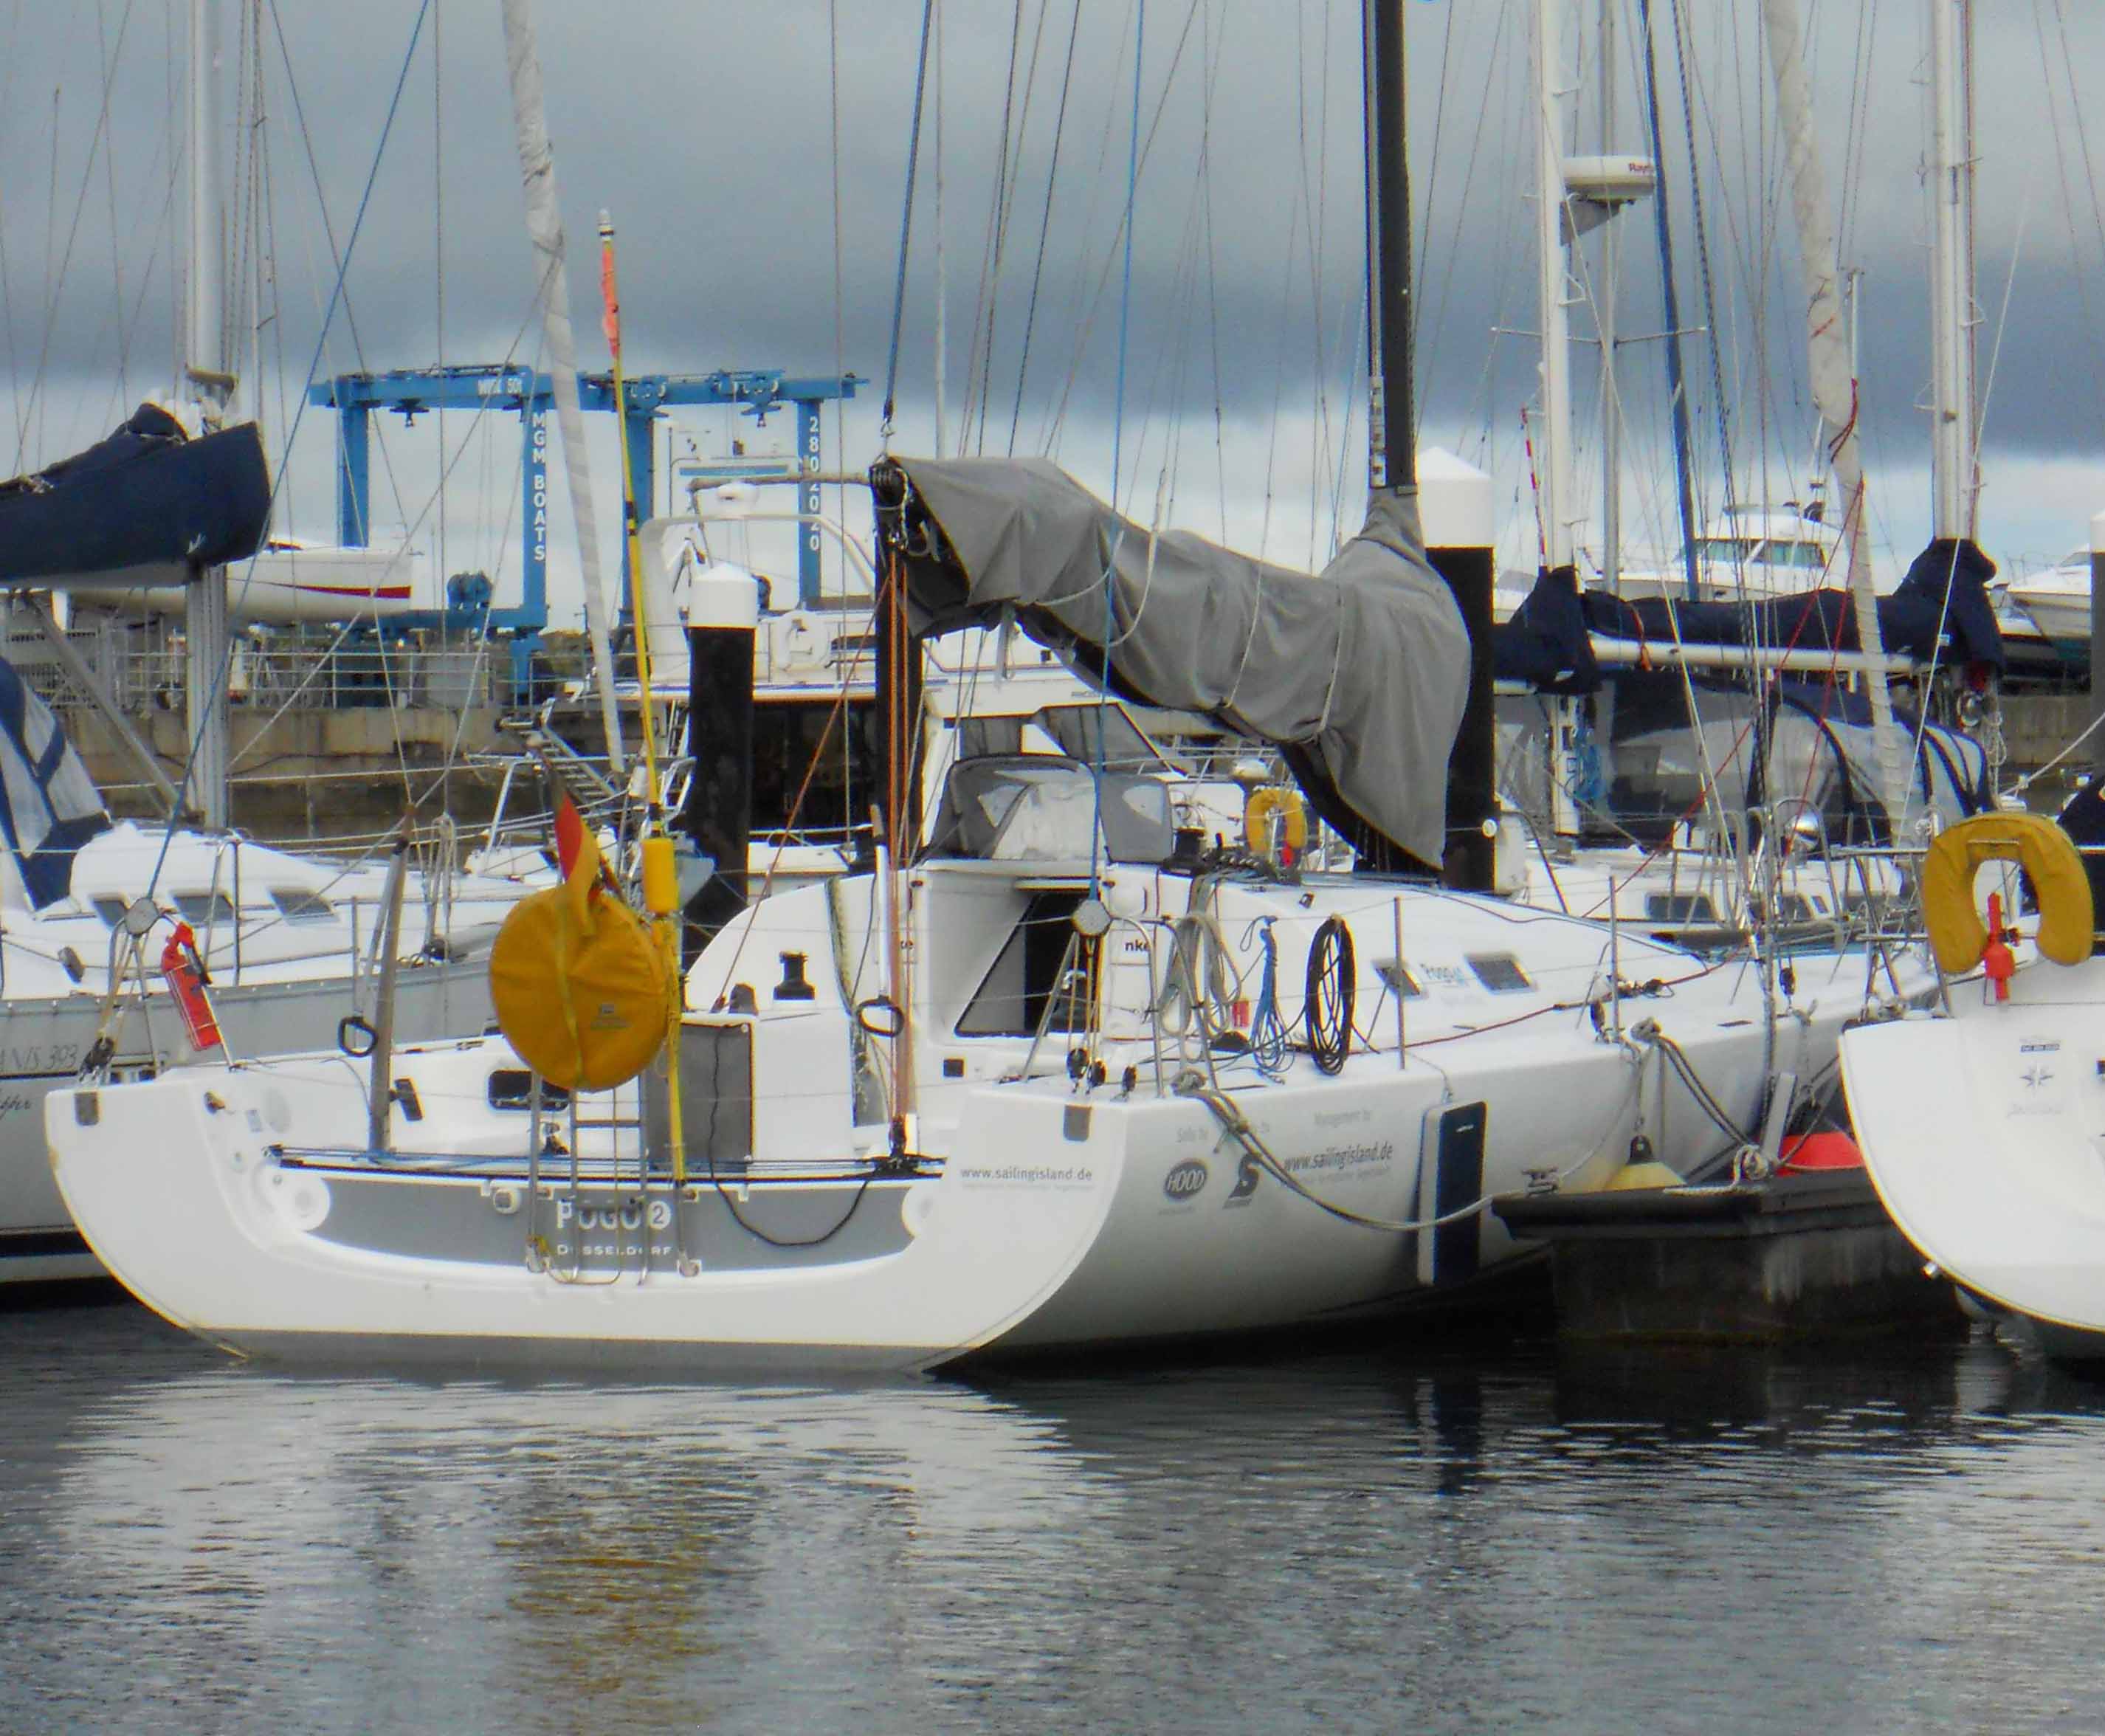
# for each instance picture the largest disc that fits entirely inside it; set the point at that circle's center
(185, 973)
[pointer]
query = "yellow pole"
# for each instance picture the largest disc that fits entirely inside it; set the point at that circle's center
(660, 878)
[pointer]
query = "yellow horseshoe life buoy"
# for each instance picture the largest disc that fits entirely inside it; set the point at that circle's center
(1274, 816)
(578, 986)
(1957, 934)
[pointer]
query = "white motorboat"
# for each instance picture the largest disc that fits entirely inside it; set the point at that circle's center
(1753, 551)
(1981, 1122)
(2057, 600)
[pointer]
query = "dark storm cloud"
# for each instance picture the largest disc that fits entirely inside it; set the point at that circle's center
(706, 129)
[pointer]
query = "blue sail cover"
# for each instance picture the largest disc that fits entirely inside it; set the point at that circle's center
(1546, 643)
(145, 497)
(1943, 601)
(49, 806)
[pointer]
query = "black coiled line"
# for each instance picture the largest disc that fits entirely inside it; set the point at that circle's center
(1328, 996)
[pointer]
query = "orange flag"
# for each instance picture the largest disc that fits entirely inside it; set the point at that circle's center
(610, 318)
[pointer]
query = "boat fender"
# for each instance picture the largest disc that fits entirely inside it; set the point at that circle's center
(1828, 1148)
(1275, 823)
(184, 971)
(661, 877)
(1957, 934)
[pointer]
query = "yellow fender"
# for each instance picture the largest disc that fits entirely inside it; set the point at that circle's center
(579, 986)
(1957, 934)
(1274, 815)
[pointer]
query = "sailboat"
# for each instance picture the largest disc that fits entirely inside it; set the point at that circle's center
(1722, 777)
(1047, 1083)
(133, 947)
(1978, 1118)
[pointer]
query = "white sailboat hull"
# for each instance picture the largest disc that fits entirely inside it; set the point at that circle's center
(1982, 1132)
(42, 1044)
(244, 1205)
(282, 585)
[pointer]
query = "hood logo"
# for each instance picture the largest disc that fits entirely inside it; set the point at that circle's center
(1185, 1180)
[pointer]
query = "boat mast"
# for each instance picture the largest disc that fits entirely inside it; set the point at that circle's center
(1833, 385)
(1604, 303)
(1392, 416)
(544, 225)
(1558, 495)
(1559, 489)
(1955, 474)
(207, 644)
(1676, 391)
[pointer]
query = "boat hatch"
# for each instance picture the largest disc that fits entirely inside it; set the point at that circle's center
(1500, 972)
(296, 906)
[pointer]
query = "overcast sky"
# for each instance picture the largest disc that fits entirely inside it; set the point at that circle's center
(747, 180)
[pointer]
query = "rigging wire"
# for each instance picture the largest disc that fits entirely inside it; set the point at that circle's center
(55, 284)
(1045, 222)
(906, 230)
(217, 691)
(1682, 55)
(1058, 416)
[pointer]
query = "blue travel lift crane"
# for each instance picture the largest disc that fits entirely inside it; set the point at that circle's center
(410, 391)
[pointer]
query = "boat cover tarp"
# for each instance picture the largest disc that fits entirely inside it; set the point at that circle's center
(1358, 675)
(1912, 621)
(49, 806)
(147, 496)
(1545, 642)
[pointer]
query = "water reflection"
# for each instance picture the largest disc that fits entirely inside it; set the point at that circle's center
(1447, 1541)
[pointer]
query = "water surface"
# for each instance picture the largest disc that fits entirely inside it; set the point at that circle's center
(1494, 1536)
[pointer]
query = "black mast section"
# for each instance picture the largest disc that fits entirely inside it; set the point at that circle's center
(1392, 455)
(1470, 861)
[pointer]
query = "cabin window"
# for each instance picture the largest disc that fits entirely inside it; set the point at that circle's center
(1500, 972)
(1679, 907)
(1397, 975)
(296, 906)
(512, 1088)
(812, 767)
(1792, 907)
(1027, 976)
(111, 910)
(205, 910)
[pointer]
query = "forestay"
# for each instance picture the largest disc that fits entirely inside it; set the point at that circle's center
(1359, 673)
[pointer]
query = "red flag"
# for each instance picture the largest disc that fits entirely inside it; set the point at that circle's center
(569, 835)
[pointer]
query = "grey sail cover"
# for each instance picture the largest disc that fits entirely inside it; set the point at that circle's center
(1359, 673)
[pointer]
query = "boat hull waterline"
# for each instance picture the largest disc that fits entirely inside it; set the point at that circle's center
(1060, 1219)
